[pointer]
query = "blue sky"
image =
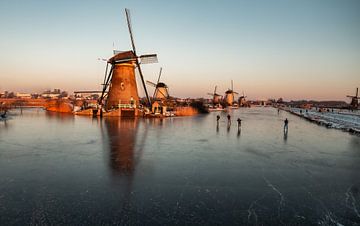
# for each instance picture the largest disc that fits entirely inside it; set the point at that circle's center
(285, 48)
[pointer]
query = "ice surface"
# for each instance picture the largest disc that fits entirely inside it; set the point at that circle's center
(64, 170)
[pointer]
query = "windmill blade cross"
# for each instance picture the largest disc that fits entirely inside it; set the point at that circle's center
(128, 19)
(143, 82)
(151, 83)
(107, 66)
(154, 85)
(106, 83)
(102, 59)
(148, 59)
(159, 76)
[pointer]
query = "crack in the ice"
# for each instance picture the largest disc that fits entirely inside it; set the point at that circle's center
(328, 213)
(252, 211)
(328, 219)
(281, 201)
(180, 198)
(349, 195)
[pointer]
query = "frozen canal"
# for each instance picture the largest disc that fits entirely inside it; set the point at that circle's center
(59, 169)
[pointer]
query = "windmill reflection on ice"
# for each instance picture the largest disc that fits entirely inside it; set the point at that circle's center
(125, 149)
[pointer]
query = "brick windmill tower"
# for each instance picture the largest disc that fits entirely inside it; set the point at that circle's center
(119, 86)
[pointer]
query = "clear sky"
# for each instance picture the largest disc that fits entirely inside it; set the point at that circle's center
(295, 49)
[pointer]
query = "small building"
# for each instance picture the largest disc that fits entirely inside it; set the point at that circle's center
(306, 106)
(158, 108)
(50, 95)
(23, 95)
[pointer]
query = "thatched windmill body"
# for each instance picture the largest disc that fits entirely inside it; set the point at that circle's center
(242, 100)
(354, 104)
(161, 91)
(119, 84)
(216, 97)
(230, 95)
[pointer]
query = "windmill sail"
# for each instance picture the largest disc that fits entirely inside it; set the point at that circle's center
(151, 83)
(148, 59)
(159, 76)
(127, 12)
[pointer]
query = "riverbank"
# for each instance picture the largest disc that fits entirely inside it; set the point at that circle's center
(19, 102)
(347, 121)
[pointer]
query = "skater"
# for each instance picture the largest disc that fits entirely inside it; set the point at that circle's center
(229, 121)
(3, 115)
(239, 123)
(286, 123)
(217, 118)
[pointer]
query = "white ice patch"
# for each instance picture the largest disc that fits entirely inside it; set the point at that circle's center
(344, 120)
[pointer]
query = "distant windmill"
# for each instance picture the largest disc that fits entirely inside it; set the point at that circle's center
(120, 81)
(230, 95)
(161, 89)
(242, 100)
(354, 104)
(216, 97)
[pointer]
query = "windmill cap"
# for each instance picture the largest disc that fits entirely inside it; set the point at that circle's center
(122, 56)
(161, 85)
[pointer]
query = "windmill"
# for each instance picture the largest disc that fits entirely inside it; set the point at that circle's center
(120, 80)
(354, 104)
(230, 95)
(161, 89)
(216, 97)
(242, 100)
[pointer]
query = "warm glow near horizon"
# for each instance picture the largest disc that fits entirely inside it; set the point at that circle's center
(289, 49)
